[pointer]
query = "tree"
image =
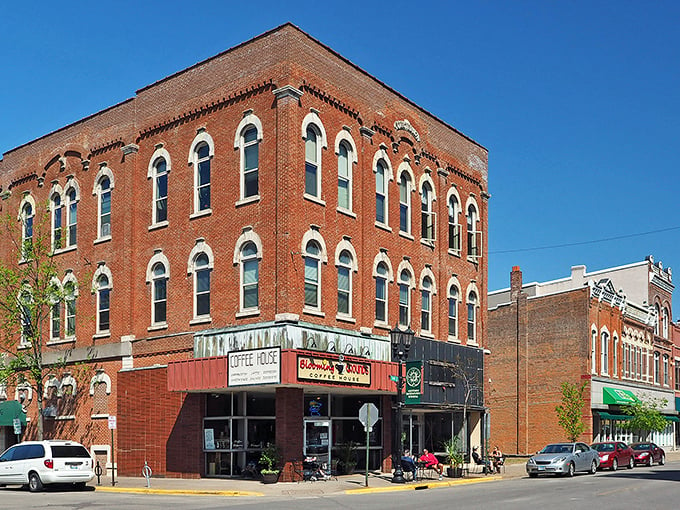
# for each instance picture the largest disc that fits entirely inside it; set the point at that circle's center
(467, 373)
(646, 417)
(29, 290)
(570, 411)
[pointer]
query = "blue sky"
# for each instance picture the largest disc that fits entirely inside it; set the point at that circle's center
(578, 102)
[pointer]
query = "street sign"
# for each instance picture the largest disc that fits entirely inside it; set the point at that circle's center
(394, 378)
(112, 422)
(368, 415)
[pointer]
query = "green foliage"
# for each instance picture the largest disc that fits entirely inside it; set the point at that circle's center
(646, 415)
(454, 451)
(270, 458)
(570, 411)
(347, 456)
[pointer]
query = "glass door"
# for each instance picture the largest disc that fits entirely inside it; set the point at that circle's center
(412, 433)
(318, 440)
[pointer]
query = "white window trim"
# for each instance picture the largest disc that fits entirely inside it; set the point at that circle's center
(454, 193)
(200, 247)
(475, 229)
(430, 205)
(381, 154)
(605, 339)
(157, 258)
(102, 270)
(97, 191)
(345, 245)
(247, 236)
(344, 136)
(427, 273)
(151, 174)
(312, 120)
(69, 278)
(453, 283)
(201, 137)
(382, 257)
(239, 144)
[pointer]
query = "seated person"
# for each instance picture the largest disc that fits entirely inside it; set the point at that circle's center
(479, 461)
(497, 457)
(431, 462)
(408, 464)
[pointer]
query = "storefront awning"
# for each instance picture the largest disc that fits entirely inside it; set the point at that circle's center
(609, 416)
(618, 396)
(672, 418)
(9, 410)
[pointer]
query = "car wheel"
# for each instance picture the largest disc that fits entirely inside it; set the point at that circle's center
(533, 475)
(572, 469)
(650, 462)
(593, 468)
(631, 463)
(615, 465)
(662, 460)
(80, 486)
(34, 482)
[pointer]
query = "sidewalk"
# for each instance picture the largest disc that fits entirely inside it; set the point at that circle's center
(349, 484)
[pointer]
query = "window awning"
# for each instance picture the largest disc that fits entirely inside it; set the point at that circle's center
(672, 418)
(609, 416)
(9, 410)
(618, 396)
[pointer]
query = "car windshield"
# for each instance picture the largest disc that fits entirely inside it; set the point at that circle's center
(603, 447)
(640, 446)
(557, 448)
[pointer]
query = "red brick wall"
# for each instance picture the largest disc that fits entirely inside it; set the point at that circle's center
(161, 427)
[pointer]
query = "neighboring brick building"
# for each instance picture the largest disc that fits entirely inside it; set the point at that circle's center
(274, 198)
(609, 328)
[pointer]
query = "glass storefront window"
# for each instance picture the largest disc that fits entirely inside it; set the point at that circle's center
(260, 432)
(316, 405)
(261, 405)
(220, 433)
(218, 405)
(349, 406)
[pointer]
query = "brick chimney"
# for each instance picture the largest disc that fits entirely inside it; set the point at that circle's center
(515, 282)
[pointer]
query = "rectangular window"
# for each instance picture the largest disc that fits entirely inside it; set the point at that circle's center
(656, 368)
(310, 179)
(665, 370)
(57, 229)
(105, 218)
(380, 300)
(72, 223)
(311, 282)
(202, 292)
(343, 290)
(160, 301)
(425, 311)
(380, 201)
(453, 317)
(454, 237)
(56, 321)
(403, 305)
(204, 185)
(250, 284)
(471, 322)
(250, 170)
(162, 197)
(104, 308)
(343, 180)
(70, 317)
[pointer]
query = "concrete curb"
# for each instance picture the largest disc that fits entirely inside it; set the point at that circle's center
(177, 491)
(419, 486)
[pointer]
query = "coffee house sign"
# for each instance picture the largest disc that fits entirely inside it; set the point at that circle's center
(321, 369)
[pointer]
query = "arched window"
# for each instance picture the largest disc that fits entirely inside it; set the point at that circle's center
(426, 305)
(665, 369)
(312, 162)
(160, 190)
(104, 205)
(54, 295)
(381, 292)
(454, 226)
(404, 298)
(664, 322)
(26, 315)
(604, 353)
(345, 176)
(345, 283)
(656, 368)
(615, 357)
(70, 294)
(57, 219)
(658, 319)
(427, 213)
(103, 304)
(159, 291)
(405, 203)
(201, 286)
(593, 351)
(472, 317)
(453, 312)
(312, 275)
(474, 237)
(250, 162)
(381, 193)
(250, 277)
(27, 215)
(71, 216)
(202, 159)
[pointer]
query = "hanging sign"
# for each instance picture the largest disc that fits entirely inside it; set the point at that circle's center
(414, 382)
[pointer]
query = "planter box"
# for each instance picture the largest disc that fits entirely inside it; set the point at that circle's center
(270, 477)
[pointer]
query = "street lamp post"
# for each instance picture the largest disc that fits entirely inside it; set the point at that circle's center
(401, 343)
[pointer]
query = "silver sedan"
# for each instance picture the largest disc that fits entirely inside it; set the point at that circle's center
(563, 459)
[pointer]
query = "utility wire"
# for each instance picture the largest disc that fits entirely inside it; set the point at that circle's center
(580, 243)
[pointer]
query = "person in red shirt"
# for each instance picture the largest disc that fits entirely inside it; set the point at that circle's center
(431, 462)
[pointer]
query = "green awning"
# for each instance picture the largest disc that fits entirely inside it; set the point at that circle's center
(609, 416)
(672, 418)
(9, 410)
(618, 396)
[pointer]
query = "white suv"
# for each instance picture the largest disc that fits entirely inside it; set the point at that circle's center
(37, 463)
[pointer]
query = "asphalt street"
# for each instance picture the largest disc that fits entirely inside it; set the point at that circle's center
(650, 488)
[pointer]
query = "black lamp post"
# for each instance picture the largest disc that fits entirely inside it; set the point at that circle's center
(401, 343)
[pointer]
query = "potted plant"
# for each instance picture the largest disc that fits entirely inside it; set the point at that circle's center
(270, 458)
(456, 457)
(347, 457)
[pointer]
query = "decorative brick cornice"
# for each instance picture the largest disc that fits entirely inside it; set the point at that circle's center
(105, 147)
(330, 100)
(206, 109)
(287, 91)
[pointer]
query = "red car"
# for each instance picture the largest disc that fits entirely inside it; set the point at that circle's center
(614, 454)
(648, 453)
